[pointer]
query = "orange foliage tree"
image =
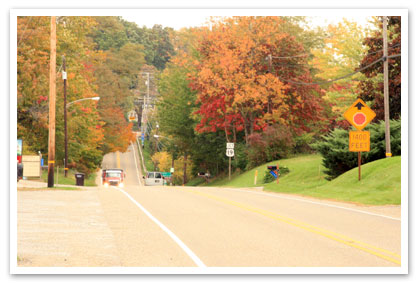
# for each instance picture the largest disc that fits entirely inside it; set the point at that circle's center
(240, 89)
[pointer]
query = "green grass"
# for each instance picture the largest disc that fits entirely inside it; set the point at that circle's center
(380, 183)
(146, 152)
(70, 179)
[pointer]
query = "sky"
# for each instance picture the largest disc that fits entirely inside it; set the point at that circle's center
(192, 19)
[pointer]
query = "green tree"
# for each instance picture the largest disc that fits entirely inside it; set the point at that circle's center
(175, 108)
(109, 33)
(157, 42)
(371, 89)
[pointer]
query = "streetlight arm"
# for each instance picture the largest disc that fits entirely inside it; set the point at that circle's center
(88, 98)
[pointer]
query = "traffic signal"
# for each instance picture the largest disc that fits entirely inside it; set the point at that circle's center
(272, 168)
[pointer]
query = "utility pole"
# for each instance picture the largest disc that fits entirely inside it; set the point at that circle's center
(156, 140)
(64, 77)
(386, 87)
(146, 102)
(52, 91)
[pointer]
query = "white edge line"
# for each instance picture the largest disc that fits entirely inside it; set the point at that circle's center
(189, 252)
(324, 204)
(136, 165)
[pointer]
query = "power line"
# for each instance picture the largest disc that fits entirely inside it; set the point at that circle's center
(343, 77)
(289, 57)
(307, 54)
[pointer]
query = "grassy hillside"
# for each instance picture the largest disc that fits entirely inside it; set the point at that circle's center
(380, 183)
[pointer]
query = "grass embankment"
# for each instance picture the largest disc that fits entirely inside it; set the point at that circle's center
(70, 179)
(380, 183)
(146, 152)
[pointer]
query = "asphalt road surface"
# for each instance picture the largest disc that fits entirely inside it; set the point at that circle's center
(156, 226)
(233, 227)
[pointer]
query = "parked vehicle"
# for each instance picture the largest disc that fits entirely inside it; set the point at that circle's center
(154, 179)
(113, 177)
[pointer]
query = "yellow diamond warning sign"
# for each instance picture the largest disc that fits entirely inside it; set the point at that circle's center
(359, 114)
(359, 141)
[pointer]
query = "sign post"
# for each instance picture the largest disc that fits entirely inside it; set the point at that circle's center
(359, 115)
(230, 153)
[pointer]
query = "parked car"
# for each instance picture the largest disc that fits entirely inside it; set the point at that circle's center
(154, 179)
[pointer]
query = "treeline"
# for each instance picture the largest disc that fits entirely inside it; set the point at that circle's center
(265, 83)
(261, 82)
(104, 56)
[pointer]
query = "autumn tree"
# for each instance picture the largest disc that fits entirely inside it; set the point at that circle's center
(32, 81)
(340, 55)
(33, 87)
(371, 89)
(243, 86)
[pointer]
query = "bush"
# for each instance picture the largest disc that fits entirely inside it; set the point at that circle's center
(337, 159)
(268, 178)
(240, 159)
(274, 143)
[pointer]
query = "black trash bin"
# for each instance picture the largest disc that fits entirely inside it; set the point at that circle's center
(19, 171)
(79, 179)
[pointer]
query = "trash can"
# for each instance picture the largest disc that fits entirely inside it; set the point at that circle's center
(79, 179)
(19, 171)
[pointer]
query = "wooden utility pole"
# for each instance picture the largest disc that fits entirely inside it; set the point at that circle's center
(64, 77)
(386, 87)
(52, 91)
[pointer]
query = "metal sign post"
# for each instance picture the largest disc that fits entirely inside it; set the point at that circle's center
(230, 153)
(359, 115)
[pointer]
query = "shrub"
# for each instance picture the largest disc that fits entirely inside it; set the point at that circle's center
(337, 158)
(240, 159)
(274, 143)
(268, 178)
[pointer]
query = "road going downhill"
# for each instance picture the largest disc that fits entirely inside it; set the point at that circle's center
(219, 227)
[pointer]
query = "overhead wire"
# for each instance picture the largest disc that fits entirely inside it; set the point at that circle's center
(342, 77)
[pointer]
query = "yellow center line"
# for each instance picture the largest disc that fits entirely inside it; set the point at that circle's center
(117, 159)
(382, 253)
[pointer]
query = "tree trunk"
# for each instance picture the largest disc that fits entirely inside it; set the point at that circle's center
(226, 131)
(185, 169)
(235, 134)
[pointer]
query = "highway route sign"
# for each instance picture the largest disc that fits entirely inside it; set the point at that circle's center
(359, 114)
(230, 145)
(229, 152)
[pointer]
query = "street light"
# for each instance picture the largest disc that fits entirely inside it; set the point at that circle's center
(88, 98)
(65, 130)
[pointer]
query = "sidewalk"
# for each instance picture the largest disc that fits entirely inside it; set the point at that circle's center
(31, 184)
(40, 184)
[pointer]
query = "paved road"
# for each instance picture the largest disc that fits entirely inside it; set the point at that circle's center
(185, 226)
(229, 227)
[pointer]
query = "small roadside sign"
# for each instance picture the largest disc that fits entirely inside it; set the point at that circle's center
(133, 116)
(229, 152)
(359, 114)
(230, 145)
(359, 141)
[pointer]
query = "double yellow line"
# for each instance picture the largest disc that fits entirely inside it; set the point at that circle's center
(117, 159)
(381, 253)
